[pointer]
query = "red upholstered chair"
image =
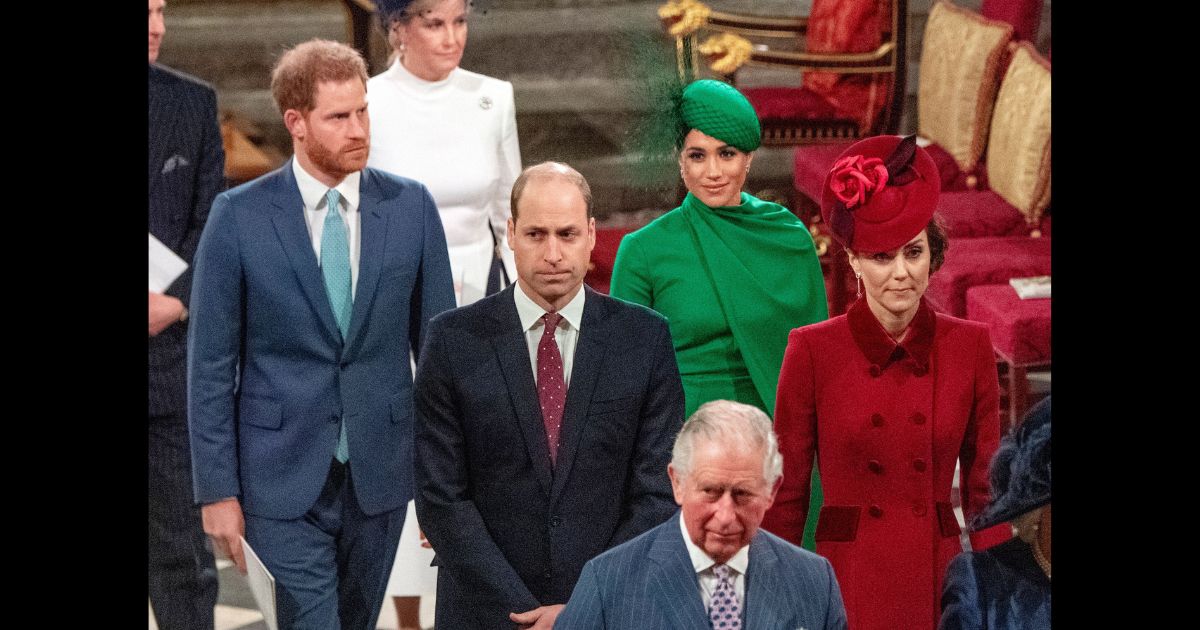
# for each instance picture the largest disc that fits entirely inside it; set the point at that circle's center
(1020, 332)
(600, 268)
(852, 58)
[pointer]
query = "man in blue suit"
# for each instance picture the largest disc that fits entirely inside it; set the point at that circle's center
(712, 567)
(186, 170)
(545, 415)
(312, 285)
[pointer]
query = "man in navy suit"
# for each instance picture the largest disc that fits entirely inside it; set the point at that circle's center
(712, 567)
(312, 285)
(186, 170)
(545, 415)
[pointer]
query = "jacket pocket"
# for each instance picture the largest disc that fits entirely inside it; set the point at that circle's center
(837, 523)
(624, 404)
(260, 412)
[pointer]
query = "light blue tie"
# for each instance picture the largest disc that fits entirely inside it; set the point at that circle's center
(335, 267)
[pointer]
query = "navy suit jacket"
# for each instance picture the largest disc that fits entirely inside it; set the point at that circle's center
(512, 533)
(269, 376)
(649, 582)
(186, 169)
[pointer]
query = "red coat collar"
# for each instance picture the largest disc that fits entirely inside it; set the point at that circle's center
(878, 346)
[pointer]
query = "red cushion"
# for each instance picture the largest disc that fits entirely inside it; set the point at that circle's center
(953, 177)
(1020, 329)
(812, 164)
(789, 103)
(975, 214)
(599, 275)
(1024, 15)
(988, 260)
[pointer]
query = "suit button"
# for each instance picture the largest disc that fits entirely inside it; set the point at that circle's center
(875, 371)
(333, 418)
(546, 575)
(875, 511)
(919, 509)
(555, 521)
(877, 419)
(919, 465)
(875, 467)
(918, 418)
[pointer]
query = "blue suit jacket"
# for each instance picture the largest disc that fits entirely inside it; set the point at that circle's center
(999, 588)
(649, 582)
(186, 170)
(268, 373)
(512, 533)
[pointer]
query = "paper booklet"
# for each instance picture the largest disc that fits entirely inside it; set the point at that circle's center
(1030, 288)
(165, 266)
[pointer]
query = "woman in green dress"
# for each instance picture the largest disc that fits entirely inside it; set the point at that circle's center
(733, 274)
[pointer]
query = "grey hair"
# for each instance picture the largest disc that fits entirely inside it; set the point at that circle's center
(731, 423)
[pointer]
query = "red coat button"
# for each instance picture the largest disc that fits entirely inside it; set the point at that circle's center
(875, 371)
(918, 418)
(919, 509)
(919, 370)
(919, 465)
(875, 511)
(877, 419)
(874, 466)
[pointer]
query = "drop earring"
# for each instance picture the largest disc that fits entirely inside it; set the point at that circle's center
(858, 284)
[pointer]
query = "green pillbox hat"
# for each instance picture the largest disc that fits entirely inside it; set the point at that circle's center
(719, 110)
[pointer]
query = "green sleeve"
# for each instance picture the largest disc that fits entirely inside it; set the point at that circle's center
(630, 280)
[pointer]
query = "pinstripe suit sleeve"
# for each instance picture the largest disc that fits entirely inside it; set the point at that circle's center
(214, 338)
(210, 180)
(835, 615)
(585, 609)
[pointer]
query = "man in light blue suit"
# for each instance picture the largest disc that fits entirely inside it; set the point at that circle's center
(711, 567)
(312, 284)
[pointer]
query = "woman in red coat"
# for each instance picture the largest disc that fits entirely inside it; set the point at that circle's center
(887, 397)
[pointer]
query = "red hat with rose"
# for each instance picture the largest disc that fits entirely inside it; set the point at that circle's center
(880, 193)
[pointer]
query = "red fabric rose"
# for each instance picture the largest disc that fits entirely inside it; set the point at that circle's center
(855, 178)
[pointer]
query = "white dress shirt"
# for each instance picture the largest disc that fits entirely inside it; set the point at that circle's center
(313, 193)
(708, 578)
(567, 333)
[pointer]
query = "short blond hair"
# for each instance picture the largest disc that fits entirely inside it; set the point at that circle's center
(299, 71)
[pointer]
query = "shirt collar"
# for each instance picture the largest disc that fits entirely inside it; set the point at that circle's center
(530, 313)
(312, 191)
(700, 560)
(879, 347)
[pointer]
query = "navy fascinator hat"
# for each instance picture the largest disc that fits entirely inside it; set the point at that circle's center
(1020, 470)
(385, 10)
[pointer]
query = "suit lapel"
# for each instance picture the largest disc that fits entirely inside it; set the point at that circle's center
(674, 579)
(162, 121)
(585, 371)
(762, 587)
(293, 233)
(372, 239)
(513, 355)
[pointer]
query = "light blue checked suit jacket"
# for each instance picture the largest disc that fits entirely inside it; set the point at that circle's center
(649, 583)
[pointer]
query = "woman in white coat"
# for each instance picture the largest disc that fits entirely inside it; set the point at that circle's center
(456, 132)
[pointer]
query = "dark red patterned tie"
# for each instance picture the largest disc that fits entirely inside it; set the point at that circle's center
(552, 391)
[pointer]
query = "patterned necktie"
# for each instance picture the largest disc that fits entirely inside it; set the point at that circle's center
(335, 268)
(724, 612)
(552, 391)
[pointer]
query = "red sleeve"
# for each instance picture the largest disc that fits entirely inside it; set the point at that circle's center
(979, 444)
(796, 426)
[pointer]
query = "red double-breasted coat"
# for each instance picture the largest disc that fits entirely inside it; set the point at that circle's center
(886, 422)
